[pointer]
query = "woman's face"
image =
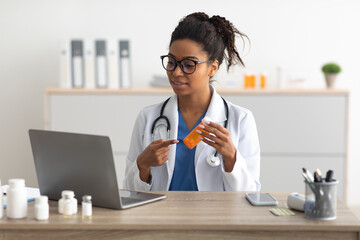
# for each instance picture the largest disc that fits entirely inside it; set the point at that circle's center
(185, 84)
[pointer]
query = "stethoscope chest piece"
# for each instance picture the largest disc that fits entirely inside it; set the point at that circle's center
(213, 161)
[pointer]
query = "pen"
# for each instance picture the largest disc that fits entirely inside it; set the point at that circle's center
(309, 182)
(307, 179)
(317, 175)
(329, 175)
(311, 178)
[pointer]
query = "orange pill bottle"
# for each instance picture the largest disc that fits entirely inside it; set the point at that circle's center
(262, 80)
(193, 138)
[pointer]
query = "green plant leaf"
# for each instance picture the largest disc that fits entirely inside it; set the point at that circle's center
(331, 68)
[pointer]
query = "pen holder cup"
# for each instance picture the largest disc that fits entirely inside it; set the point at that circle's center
(320, 200)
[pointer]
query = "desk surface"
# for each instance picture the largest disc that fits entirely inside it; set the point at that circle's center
(196, 212)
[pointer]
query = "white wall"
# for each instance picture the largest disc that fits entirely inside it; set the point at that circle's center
(298, 36)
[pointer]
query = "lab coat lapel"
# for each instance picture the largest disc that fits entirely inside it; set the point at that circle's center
(216, 109)
(171, 111)
(216, 112)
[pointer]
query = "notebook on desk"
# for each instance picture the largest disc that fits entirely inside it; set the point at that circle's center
(82, 163)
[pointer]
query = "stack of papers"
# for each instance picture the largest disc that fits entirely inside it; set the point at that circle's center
(31, 193)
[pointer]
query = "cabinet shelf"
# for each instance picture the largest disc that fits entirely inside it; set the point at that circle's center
(219, 90)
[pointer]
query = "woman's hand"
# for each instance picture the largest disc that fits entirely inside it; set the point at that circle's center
(220, 139)
(154, 155)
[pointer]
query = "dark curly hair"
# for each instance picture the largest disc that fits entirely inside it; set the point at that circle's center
(215, 34)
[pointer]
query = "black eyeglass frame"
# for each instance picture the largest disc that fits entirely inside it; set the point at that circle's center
(179, 63)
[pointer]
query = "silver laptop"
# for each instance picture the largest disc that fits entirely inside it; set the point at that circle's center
(82, 163)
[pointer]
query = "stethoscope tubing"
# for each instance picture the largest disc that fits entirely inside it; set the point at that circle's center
(168, 127)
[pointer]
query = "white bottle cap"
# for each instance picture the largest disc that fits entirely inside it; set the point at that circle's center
(67, 193)
(41, 200)
(17, 182)
(206, 119)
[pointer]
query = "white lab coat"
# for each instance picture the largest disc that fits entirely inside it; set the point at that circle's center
(242, 127)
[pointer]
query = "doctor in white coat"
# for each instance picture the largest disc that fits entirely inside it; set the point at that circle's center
(159, 160)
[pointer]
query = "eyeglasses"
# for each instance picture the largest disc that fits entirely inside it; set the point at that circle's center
(188, 66)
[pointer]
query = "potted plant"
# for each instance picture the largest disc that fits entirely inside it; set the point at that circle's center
(331, 70)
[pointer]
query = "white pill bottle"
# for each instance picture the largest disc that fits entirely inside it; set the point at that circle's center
(61, 204)
(41, 209)
(17, 206)
(86, 207)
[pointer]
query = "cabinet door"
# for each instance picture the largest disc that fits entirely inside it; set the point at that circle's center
(295, 124)
(283, 174)
(104, 114)
(298, 124)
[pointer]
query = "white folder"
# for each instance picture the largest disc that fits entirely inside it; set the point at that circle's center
(101, 64)
(65, 66)
(77, 63)
(89, 48)
(113, 63)
(125, 66)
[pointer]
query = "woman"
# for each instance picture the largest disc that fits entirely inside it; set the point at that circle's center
(160, 162)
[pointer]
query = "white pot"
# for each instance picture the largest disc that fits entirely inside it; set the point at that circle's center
(330, 80)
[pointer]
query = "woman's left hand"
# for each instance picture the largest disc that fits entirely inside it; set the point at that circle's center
(220, 139)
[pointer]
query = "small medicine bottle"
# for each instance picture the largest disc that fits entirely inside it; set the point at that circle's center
(193, 138)
(41, 208)
(252, 81)
(262, 80)
(73, 200)
(86, 207)
(75, 205)
(68, 206)
(1, 201)
(17, 205)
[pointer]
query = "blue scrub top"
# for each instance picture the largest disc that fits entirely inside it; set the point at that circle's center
(184, 178)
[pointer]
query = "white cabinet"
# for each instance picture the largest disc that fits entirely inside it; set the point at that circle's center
(282, 173)
(112, 115)
(298, 124)
(297, 128)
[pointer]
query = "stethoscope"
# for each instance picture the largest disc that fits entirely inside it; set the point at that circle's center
(213, 160)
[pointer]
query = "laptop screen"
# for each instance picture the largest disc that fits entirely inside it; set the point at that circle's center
(79, 162)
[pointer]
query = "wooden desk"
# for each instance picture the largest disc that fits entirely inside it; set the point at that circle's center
(185, 215)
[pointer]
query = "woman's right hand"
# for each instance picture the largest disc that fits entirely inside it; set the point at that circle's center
(154, 155)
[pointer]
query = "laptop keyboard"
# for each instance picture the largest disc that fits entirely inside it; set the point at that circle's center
(127, 200)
